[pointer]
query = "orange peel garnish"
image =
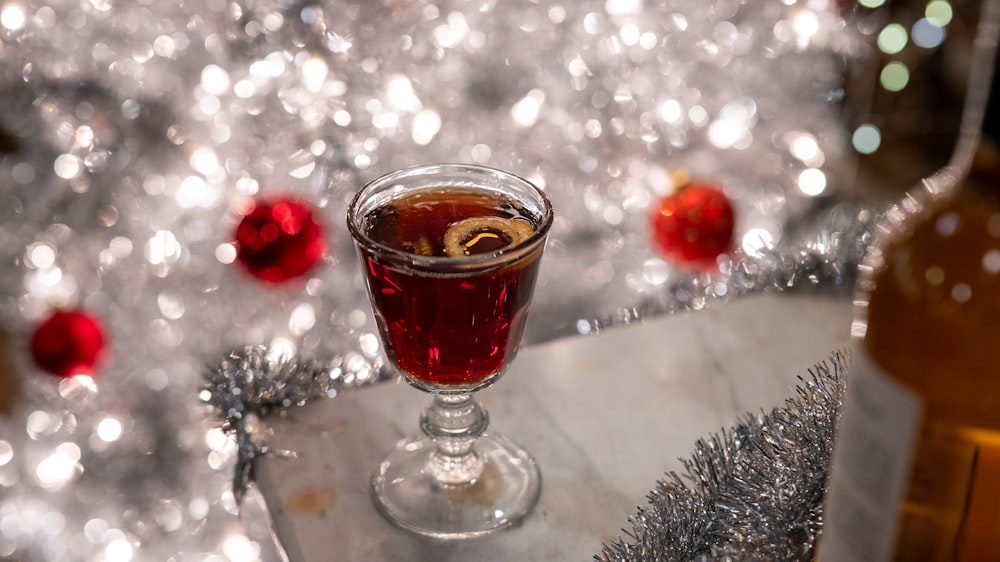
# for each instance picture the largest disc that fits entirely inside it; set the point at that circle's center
(460, 235)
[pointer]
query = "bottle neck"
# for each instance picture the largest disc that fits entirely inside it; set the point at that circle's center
(979, 130)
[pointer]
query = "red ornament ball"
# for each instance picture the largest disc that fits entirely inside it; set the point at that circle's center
(279, 240)
(694, 225)
(68, 343)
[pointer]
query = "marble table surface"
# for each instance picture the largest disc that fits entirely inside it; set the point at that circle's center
(604, 415)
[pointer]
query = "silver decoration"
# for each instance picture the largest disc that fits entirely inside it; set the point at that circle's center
(823, 257)
(753, 492)
(251, 382)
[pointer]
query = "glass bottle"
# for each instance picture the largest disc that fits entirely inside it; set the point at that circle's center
(916, 463)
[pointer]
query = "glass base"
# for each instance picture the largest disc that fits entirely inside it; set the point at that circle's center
(407, 493)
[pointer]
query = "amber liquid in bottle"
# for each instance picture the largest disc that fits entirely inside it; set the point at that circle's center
(915, 474)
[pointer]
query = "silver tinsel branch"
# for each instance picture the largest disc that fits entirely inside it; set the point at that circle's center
(252, 381)
(823, 256)
(752, 492)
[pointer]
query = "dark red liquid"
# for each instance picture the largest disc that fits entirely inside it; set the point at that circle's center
(456, 328)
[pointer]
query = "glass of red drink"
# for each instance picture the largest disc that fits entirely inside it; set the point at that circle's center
(450, 255)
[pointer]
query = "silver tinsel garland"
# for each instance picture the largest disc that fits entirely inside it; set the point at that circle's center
(753, 492)
(251, 382)
(824, 257)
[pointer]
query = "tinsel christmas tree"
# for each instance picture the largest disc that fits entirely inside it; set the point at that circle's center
(136, 137)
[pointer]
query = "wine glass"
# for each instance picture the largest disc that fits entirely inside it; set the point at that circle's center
(450, 255)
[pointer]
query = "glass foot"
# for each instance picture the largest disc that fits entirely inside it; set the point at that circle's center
(408, 493)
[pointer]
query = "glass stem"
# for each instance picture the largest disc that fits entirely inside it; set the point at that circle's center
(454, 422)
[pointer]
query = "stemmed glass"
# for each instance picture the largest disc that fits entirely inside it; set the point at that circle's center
(450, 255)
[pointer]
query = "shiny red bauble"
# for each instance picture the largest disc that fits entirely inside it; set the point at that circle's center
(694, 225)
(68, 343)
(279, 240)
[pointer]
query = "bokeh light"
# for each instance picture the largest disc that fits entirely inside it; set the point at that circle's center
(866, 138)
(894, 76)
(892, 39)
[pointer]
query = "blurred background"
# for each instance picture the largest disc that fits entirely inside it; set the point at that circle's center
(135, 138)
